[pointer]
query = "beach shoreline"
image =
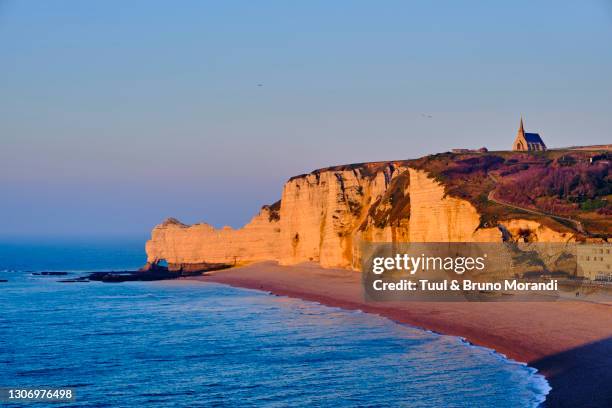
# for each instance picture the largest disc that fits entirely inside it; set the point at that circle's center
(569, 342)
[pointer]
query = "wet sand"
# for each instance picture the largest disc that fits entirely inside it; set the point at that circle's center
(570, 342)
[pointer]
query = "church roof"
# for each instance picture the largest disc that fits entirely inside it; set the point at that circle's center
(533, 138)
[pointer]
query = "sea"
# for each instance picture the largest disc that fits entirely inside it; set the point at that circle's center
(184, 343)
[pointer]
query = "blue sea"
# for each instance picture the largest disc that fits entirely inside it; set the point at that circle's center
(196, 344)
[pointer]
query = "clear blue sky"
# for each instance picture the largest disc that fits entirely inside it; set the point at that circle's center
(115, 115)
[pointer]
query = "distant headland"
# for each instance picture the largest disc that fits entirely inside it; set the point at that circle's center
(532, 195)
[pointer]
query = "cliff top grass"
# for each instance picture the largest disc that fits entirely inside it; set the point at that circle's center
(564, 189)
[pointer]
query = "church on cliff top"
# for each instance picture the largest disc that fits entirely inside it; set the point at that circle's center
(527, 141)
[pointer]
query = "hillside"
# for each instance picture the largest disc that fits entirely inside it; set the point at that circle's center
(563, 188)
(323, 216)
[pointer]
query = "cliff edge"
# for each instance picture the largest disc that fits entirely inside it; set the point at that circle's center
(554, 196)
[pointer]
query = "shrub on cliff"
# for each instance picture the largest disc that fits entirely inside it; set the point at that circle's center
(557, 189)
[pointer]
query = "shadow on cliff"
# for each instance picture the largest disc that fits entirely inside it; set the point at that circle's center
(580, 377)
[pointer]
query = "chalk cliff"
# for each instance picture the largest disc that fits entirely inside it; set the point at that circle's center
(189, 247)
(325, 215)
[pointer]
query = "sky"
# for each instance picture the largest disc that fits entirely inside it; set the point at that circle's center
(115, 115)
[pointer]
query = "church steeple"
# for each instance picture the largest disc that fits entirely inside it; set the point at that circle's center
(527, 141)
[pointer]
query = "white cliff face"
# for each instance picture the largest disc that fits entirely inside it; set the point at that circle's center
(436, 217)
(321, 212)
(325, 215)
(180, 244)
